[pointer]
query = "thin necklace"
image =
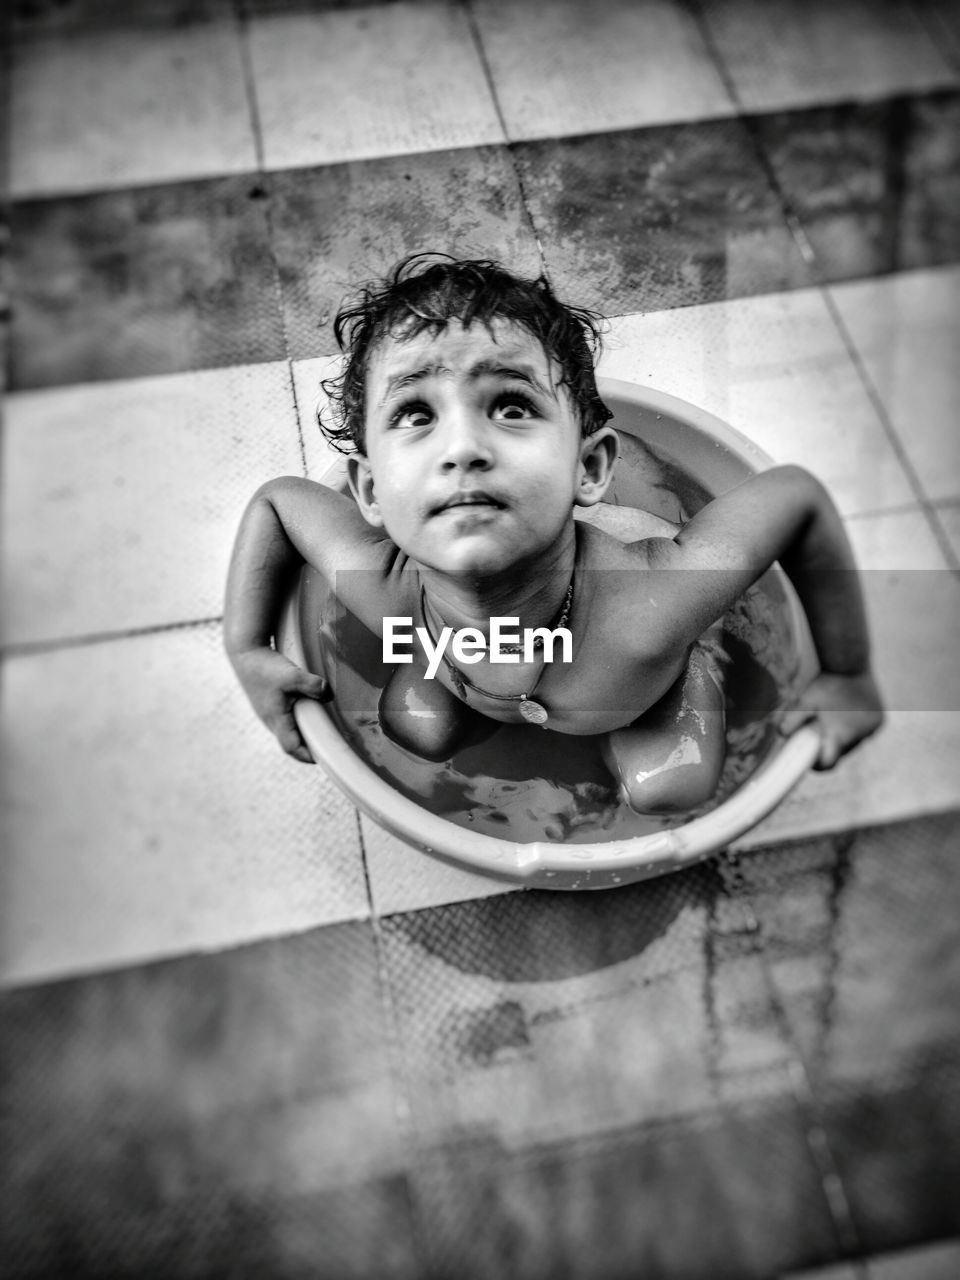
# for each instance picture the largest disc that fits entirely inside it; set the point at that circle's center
(531, 710)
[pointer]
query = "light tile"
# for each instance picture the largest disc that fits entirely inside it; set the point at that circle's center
(937, 1261)
(324, 463)
(780, 54)
(148, 813)
(113, 109)
(906, 329)
(122, 499)
(350, 84)
(776, 368)
(907, 769)
(405, 879)
(567, 68)
(842, 1271)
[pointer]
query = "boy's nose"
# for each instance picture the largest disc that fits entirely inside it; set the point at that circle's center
(466, 443)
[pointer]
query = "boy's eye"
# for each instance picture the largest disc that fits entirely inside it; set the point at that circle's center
(412, 415)
(513, 407)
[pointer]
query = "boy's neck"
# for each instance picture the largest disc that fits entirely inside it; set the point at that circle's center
(533, 593)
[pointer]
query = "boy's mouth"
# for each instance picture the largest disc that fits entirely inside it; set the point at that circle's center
(468, 498)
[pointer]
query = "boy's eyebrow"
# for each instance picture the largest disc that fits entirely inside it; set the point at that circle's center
(483, 368)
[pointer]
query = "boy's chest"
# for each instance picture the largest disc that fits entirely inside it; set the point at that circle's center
(591, 694)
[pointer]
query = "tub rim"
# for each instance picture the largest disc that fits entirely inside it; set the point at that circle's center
(545, 864)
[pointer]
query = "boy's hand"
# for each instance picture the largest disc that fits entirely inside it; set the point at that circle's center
(846, 709)
(273, 684)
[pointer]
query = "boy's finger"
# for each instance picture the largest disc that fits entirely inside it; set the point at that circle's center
(794, 717)
(288, 735)
(830, 751)
(308, 685)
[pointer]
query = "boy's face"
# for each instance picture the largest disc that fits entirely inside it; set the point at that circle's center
(474, 455)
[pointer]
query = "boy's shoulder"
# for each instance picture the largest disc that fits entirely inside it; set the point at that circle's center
(620, 537)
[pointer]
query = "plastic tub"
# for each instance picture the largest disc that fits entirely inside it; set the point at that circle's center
(701, 456)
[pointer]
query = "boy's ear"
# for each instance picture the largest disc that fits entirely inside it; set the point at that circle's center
(360, 480)
(598, 453)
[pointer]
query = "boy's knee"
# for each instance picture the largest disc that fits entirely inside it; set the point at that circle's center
(421, 718)
(688, 786)
(670, 790)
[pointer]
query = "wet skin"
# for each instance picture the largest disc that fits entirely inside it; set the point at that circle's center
(473, 466)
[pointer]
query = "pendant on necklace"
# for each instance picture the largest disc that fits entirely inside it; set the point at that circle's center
(533, 711)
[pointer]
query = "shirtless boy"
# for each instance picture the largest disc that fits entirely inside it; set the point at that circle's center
(469, 400)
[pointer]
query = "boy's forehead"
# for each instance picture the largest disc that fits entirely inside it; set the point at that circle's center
(459, 349)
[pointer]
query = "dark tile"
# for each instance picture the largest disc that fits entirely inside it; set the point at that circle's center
(350, 1232)
(859, 932)
(647, 219)
(316, 6)
(43, 17)
(538, 1016)
(339, 226)
(897, 1149)
(145, 281)
(731, 1198)
(224, 1114)
(875, 185)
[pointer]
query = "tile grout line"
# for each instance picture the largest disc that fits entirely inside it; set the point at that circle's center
(403, 1109)
(801, 1087)
(28, 648)
(508, 144)
(893, 436)
(263, 191)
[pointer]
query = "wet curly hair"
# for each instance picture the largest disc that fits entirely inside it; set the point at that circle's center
(427, 291)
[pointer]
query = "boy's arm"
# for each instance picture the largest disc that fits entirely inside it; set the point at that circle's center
(785, 514)
(287, 523)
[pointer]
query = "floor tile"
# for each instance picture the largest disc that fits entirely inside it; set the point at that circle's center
(637, 1204)
(897, 1150)
(646, 219)
(942, 20)
(85, 111)
(913, 607)
(841, 1271)
(895, 997)
(907, 769)
(857, 930)
(874, 185)
(948, 514)
(375, 99)
(777, 370)
(497, 998)
(324, 463)
(405, 879)
(227, 1113)
(44, 17)
(141, 282)
(337, 228)
(778, 54)
(122, 499)
(148, 813)
(940, 1261)
(906, 330)
(564, 68)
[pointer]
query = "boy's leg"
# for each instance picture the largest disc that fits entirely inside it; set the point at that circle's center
(424, 717)
(670, 759)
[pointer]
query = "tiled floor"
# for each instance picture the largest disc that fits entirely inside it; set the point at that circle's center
(249, 1031)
